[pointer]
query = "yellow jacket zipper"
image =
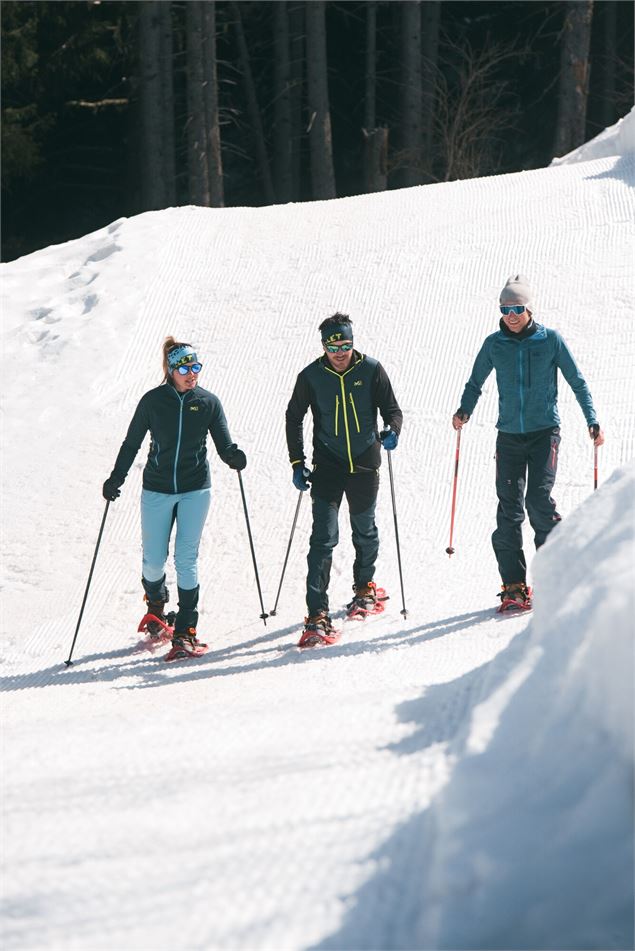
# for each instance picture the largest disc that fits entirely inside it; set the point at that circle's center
(345, 414)
(350, 396)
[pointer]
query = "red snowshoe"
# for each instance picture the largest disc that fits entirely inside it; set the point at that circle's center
(184, 646)
(515, 597)
(369, 599)
(157, 629)
(318, 631)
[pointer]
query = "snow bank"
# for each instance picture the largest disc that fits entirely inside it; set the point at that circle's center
(618, 139)
(532, 841)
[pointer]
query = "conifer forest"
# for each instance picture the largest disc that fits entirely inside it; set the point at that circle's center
(112, 108)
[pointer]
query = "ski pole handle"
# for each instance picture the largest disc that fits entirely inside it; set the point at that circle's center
(450, 549)
(90, 578)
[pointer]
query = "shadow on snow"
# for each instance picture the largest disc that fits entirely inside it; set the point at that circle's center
(126, 662)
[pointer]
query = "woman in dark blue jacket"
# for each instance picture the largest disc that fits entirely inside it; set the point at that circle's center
(179, 415)
(526, 357)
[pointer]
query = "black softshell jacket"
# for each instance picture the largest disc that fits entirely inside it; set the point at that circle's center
(344, 408)
(179, 424)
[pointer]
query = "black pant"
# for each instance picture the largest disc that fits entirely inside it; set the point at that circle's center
(529, 459)
(329, 485)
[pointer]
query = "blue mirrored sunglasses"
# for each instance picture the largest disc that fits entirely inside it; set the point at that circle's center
(507, 309)
(185, 368)
(338, 348)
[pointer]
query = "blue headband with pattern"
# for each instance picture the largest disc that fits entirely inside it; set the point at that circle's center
(181, 355)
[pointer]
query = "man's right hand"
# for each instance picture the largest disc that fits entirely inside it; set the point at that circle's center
(110, 490)
(301, 477)
(459, 419)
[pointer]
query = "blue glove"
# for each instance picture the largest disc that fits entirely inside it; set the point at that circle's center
(389, 438)
(301, 477)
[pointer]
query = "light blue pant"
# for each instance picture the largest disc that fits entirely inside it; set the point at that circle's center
(159, 511)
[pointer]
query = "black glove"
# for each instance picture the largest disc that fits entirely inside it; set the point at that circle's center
(594, 431)
(111, 490)
(301, 476)
(237, 460)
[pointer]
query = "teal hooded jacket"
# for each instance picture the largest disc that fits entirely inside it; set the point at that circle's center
(526, 366)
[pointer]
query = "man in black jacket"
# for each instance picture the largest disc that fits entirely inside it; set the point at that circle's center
(344, 389)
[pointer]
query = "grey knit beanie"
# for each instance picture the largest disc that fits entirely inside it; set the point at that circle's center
(517, 291)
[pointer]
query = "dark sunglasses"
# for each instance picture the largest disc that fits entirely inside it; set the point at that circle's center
(507, 309)
(194, 367)
(338, 347)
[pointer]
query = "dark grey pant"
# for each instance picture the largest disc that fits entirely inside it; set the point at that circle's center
(524, 461)
(328, 488)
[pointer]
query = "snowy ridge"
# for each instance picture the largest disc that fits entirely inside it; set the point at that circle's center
(316, 780)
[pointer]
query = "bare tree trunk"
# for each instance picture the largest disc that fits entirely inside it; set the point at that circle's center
(282, 148)
(370, 98)
(196, 138)
(574, 76)
(609, 57)
(430, 50)
(153, 192)
(375, 140)
(167, 101)
(411, 93)
(320, 138)
(252, 105)
(296, 79)
(210, 95)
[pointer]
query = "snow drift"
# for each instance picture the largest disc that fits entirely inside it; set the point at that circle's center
(533, 837)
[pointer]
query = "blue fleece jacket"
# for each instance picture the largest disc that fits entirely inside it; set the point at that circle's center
(527, 377)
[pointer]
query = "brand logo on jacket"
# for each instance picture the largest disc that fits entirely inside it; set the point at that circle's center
(358, 383)
(193, 409)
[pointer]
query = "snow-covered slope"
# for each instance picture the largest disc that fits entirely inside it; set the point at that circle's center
(258, 797)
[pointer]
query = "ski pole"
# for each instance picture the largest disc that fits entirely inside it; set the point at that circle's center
(449, 549)
(286, 557)
(90, 577)
(595, 467)
(264, 614)
(394, 513)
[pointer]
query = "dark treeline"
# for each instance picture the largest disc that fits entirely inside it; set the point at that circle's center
(112, 108)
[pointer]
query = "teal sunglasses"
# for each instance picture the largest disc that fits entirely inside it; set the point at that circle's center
(338, 348)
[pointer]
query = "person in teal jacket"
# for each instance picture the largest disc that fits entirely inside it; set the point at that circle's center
(526, 357)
